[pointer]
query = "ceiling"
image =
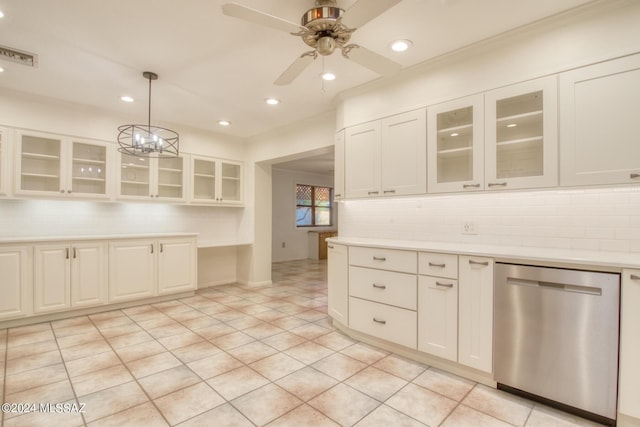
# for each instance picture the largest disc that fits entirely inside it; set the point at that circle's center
(212, 66)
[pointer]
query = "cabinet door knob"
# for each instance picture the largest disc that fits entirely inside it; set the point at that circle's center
(151, 248)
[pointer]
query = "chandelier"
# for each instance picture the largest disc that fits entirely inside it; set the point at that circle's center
(147, 140)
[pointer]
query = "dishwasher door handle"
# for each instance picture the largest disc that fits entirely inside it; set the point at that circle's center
(589, 290)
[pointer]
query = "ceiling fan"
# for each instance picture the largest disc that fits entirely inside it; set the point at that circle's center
(325, 28)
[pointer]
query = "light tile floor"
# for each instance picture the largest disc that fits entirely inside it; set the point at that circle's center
(237, 356)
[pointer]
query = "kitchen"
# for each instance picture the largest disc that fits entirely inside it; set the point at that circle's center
(588, 217)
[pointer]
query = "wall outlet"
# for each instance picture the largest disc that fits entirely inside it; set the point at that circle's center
(469, 227)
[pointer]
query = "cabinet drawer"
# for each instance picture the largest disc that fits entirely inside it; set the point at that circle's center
(440, 265)
(384, 259)
(388, 287)
(384, 321)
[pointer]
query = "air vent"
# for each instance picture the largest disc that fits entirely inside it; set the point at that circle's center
(21, 57)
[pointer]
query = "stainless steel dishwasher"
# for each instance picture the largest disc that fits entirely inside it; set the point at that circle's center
(556, 337)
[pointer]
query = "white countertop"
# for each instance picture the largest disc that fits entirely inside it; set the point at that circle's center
(550, 256)
(33, 239)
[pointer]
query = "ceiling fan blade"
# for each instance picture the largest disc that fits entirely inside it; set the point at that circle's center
(371, 60)
(364, 11)
(295, 69)
(245, 13)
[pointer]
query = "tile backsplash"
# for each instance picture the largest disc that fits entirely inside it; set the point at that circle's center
(605, 219)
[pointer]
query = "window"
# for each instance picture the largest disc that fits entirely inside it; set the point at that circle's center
(313, 205)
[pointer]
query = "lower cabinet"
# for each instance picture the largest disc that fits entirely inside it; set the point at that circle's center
(475, 312)
(177, 269)
(338, 282)
(16, 266)
(384, 321)
(132, 269)
(69, 276)
(629, 373)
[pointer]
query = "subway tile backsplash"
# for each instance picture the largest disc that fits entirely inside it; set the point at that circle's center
(605, 219)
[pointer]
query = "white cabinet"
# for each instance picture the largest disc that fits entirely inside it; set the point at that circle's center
(521, 135)
(51, 165)
(599, 107)
(132, 269)
(146, 178)
(176, 265)
(338, 282)
(629, 374)
(456, 145)
(216, 181)
(69, 275)
(438, 305)
(16, 265)
(5, 162)
(475, 308)
(338, 174)
(386, 157)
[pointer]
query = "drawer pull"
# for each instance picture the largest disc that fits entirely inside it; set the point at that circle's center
(470, 185)
(635, 277)
(379, 258)
(444, 285)
(372, 192)
(389, 191)
(497, 184)
(437, 265)
(383, 322)
(379, 286)
(485, 263)
(634, 175)
(330, 246)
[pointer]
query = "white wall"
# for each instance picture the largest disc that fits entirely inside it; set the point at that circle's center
(296, 240)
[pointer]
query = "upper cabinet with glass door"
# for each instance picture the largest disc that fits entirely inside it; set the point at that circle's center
(146, 178)
(4, 161)
(521, 143)
(215, 181)
(455, 145)
(51, 165)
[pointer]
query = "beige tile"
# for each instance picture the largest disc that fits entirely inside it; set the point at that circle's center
(71, 321)
(129, 339)
(276, 366)
(92, 363)
(99, 380)
(167, 330)
(308, 352)
(265, 404)
(140, 368)
(214, 331)
(35, 378)
(251, 352)
(376, 383)
(386, 416)
(142, 415)
(84, 350)
(262, 331)
(34, 361)
(335, 341)
(543, 416)
(310, 331)
(228, 315)
(60, 391)
(237, 382)
(344, 405)
(424, 405)
(400, 367)
(450, 385)
(37, 419)
(157, 320)
(364, 353)
(284, 340)
(112, 400)
(226, 412)
(463, 416)
(501, 405)
(245, 322)
(306, 383)
(214, 365)
(168, 381)
(200, 322)
(180, 340)
(188, 402)
(24, 338)
(232, 340)
(311, 315)
(79, 339)
(140, 351)
(75, 330)
(31, 349)
(189, 314)
(116, 331)
(194, 352)
(303, 415)
(339, 366)
(270, 316)
(30, 329)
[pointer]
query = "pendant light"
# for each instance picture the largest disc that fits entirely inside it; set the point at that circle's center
(147, 140)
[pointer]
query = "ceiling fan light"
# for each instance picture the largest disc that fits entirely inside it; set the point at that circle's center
(126, 98)
(224, 122)
(272, 101)
(326, 45)
(401, 45)
(328, 76)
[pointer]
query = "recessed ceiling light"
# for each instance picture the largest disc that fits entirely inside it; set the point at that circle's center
(224, 122)
(1, 70)
(328, 76)
(1, 14)
(126, 98)
(401, 45)
(272, 101)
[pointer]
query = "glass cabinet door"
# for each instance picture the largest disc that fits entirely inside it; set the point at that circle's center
(170, 177)
(204, 180)
(40, 164)
(134, 176)
(89, 169)
(455, 137)
(521, 134)
(230, 182)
